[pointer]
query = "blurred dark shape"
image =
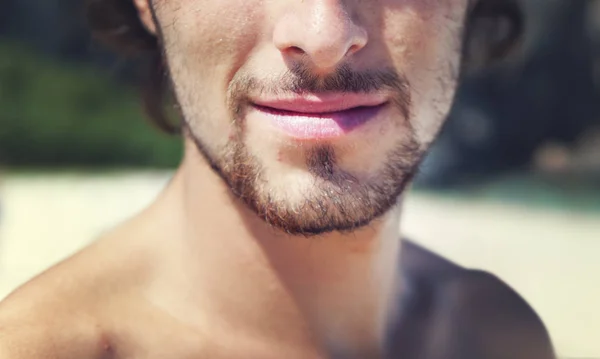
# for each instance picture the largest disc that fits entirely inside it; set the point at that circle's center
(53, 27)
(65, 101)
(57, 29)
(545, 92)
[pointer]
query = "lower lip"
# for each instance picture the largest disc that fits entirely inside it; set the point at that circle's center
(319, 126)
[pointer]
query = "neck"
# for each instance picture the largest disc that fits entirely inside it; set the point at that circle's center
(332, 292)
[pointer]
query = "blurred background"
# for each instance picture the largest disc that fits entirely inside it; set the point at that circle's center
(512, 186)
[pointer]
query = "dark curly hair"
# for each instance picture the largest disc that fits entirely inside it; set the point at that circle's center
(116, 24)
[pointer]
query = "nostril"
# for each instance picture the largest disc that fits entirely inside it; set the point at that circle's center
(295, 50)
(353, 49)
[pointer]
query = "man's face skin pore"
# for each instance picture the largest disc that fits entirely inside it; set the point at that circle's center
(235, 63)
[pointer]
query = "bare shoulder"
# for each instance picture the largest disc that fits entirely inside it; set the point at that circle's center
(30, 337)
(474, 314)
(59, 313)
(478, 307)
(37, 323)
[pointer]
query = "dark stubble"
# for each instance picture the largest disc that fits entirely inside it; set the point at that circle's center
(337, 201)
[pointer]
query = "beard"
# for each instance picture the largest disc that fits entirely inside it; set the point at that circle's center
(337, 199)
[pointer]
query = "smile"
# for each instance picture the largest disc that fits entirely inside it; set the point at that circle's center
(320, 117)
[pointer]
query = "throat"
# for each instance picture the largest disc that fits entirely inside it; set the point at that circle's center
(330, 294)
(334, 292)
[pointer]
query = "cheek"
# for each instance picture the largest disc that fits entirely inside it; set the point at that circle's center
(418, 35)
(424, 42)
(209, 36)
(205, 43)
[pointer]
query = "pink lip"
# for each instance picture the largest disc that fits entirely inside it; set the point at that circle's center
(313, 117)
(321, 103)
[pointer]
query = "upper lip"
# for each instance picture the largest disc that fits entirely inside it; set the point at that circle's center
(322, 103)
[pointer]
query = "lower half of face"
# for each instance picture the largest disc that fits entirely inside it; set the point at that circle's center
(314, 151)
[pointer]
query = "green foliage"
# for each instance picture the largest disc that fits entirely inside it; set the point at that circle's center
(53, 114)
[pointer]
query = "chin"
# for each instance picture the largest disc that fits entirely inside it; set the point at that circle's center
(321, 196)
(316, 187)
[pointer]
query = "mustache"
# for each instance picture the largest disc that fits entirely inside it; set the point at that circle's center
(300, 80)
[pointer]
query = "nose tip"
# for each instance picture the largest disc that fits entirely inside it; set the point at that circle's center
(324, 34)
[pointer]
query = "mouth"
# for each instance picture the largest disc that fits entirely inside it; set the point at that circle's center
(321, 117)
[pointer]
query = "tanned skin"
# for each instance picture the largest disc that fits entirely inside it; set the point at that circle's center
(278, 235)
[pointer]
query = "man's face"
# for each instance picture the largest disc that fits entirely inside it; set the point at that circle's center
(315, 112)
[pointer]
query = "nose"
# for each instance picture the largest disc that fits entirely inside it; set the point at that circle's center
(322, 31)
